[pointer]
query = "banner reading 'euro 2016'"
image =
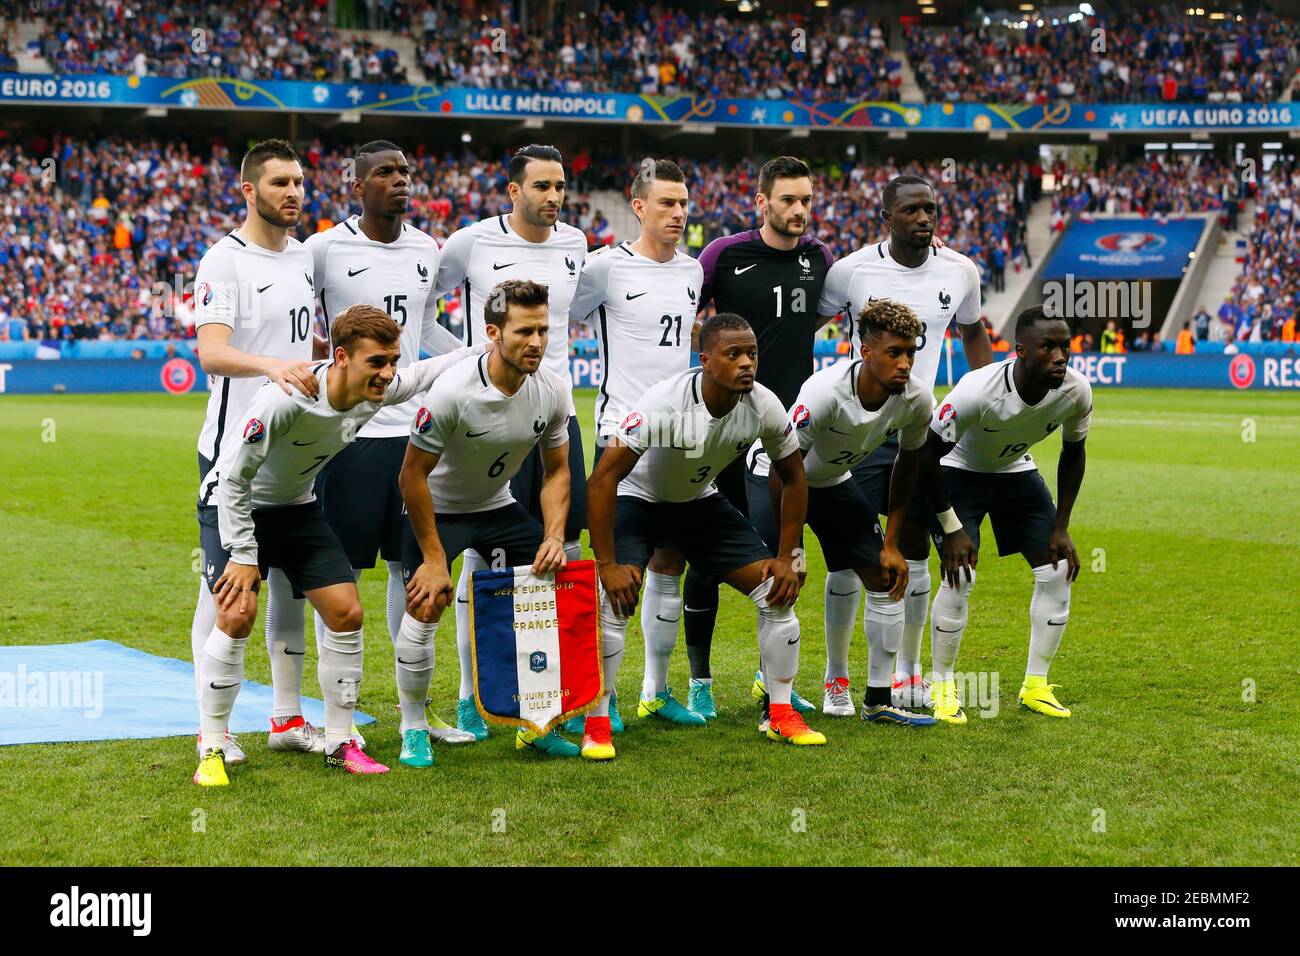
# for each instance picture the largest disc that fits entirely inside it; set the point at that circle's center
(220, 93)
(1133, 247)
(536, 644)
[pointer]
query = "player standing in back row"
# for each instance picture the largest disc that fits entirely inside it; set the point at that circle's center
(772, 276)
(253, 302)
(642, 298)
(530, 243)
(939, 285)
(379, 260)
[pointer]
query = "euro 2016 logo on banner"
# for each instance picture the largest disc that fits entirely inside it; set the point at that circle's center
(254, 431)
(1130, 241)
(1241, 371)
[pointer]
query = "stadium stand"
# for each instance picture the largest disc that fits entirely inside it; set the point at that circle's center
(1150, 55)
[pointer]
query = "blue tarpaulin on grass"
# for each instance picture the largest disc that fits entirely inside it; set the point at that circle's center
(101, 690)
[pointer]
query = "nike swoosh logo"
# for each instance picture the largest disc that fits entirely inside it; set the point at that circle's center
(420, 661)
(222, 686)
(496, 266)
(462, 600)
(615, 654)
(1057, 623)
(476, 434)
(674, 620)
(845, 594)
(304, 444)
(993, 429)
(695, 610)
(265, 287)
(294, 653)
(795, 641)
(838, 432)
(919, 593)
(630, 296)
(944, 630)
(740, 270)
(357, 273)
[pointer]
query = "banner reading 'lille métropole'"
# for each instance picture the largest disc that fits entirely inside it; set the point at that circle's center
(218, 93)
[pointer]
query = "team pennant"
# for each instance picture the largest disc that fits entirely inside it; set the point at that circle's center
(536, 644)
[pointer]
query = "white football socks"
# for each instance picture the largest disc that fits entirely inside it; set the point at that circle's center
(286, 644)
(472, 561)
(882, 619)
(613, 637)
(916, 603)
(339, 671)
(222, 672)
(205, 619)
(947, 624)
(661, 612)
(415, 653)
(842, 590)
(395, 608)
(778, 645)
(1049, 610)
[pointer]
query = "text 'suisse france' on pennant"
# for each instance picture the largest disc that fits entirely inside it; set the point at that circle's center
(536, 644)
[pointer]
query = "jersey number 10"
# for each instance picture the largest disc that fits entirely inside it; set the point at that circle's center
(299, 324)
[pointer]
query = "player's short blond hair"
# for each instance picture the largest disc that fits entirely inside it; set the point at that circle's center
(360, 321)
(886, 315)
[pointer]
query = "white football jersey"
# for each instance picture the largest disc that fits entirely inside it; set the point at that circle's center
(394, 276)
(284, 440)
(837, 432)
(483, 435)
(269, 300)
(947, 284)
(683, 447)
(642, 312)
(479, 257)
(994, 428)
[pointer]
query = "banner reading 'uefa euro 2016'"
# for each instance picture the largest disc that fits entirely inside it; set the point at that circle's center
(536, 644)
(1125, 248)
(218, 93)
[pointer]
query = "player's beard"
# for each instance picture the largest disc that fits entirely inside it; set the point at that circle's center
(783, 227)
(272, 216)
(533, 214)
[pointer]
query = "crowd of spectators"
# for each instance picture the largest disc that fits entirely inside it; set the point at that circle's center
(1148, 55)
(658, 49)
(1152, 54)
(1264, 304)
(1155, 187)
(244, 39)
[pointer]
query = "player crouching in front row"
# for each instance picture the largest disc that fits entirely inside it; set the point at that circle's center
(982, 433)
(476, 429)
(267, 516)
(653, 487)
(843, 414)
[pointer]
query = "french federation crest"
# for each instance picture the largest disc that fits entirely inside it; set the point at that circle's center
(537, 661)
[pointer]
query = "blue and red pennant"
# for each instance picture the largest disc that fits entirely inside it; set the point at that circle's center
(536, 644)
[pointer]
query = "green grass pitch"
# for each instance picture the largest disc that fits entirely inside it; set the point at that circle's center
(1164, 762)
